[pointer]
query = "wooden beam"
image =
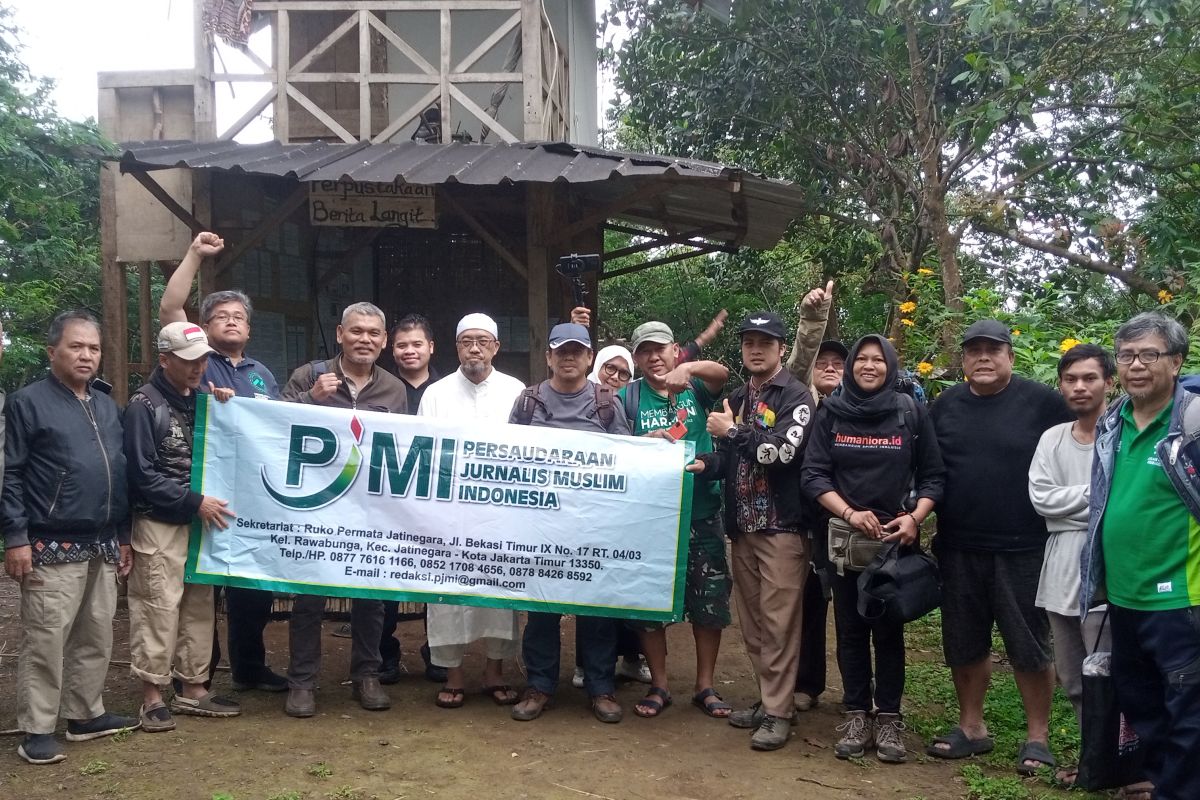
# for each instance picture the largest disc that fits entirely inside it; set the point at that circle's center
(168, 202)
(491, 41)
(491, 239)
(481, 115)
(144, 79)
(364, 71)
(404, 47)
(408, 116)
(283, 57)
(531, 69)
(612, 209)
(329, 122)
(114, 296)
(447, 110)
(662, 241)
(329, 41)
(253, 112)
(386, 5)
(541, 211)
(699, 251)
(284, 210)
(145, 321)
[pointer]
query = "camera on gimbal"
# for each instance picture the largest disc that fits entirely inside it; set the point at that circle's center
(573, 268)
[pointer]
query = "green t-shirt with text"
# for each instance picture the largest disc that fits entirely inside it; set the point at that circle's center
(1151, 543)
(654, 413)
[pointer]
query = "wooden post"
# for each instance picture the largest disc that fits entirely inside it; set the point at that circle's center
(145, 315)
(203, 95)
(447, 113)
(282, 65)
(531, 68)
(539, 221)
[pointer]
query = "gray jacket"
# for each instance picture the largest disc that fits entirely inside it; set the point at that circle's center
(1179, 453)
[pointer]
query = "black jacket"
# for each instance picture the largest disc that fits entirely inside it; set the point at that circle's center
(775, 438)
(64, 470)
(159, 469)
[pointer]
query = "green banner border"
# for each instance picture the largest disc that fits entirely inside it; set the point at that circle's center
(193, 575)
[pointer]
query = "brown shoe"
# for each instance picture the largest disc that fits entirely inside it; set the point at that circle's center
(606, 708)
(533, 703)
(301, 703)
(370, 694)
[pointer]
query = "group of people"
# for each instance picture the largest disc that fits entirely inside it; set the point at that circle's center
(1047, 505)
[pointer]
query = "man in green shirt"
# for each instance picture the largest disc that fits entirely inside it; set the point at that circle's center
(1143, 550)
(671, 401)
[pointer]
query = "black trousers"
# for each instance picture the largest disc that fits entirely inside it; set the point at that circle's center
(247, 612)
(855, 635)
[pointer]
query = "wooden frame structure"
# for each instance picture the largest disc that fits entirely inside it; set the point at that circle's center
(542, 75)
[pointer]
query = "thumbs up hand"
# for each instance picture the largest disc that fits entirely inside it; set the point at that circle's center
(719, 422)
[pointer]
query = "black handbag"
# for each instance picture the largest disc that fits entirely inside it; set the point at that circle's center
(1110, 753)
(902, 584)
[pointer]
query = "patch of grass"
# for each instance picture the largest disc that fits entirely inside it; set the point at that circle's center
(320, 770)
(222, 796)
(345, 793)
(122, 735)
(983, 787)
(95, 767)
(290, 795)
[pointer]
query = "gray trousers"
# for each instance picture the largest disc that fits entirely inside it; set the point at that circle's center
(1073, 642)
(304, 639)
(67, 616)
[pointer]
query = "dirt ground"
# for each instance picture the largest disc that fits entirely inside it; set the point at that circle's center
(417, 750)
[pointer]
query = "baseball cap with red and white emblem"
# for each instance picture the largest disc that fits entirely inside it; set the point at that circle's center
(185, 339)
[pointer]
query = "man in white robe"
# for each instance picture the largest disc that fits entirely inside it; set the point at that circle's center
(474, 391)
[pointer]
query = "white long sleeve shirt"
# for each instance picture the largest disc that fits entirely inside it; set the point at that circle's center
(1059, 488)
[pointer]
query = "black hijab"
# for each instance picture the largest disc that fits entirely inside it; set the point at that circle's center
(851, 401)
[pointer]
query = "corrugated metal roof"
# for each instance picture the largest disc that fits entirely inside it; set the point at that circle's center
(760, 212)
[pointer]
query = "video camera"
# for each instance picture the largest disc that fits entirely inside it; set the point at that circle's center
(573, 268)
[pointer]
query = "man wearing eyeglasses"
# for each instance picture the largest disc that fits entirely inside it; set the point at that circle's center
(990, 541)
(225, 317)
(475, 391)
(1143, 550)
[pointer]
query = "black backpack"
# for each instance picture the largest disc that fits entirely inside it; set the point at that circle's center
(531, 399)
(152, 398)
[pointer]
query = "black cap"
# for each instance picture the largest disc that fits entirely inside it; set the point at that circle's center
(834, 346)
(763, 322)
(988, 329)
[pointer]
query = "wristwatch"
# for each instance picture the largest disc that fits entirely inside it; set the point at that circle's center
(732, 430)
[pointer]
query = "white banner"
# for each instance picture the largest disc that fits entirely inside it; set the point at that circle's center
(365, 504)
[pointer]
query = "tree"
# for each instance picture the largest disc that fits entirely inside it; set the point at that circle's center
(49, 212)
(977, 135)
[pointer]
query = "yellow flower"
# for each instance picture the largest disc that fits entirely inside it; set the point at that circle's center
(924, 271)
(1067, 343)
(908, 308)
(907, 322)
(924, 369)
(1164, 296)
(1016, 331)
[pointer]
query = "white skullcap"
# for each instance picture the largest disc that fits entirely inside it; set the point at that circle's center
(477, 321)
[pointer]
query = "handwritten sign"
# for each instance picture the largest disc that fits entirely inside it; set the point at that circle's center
(372, 205)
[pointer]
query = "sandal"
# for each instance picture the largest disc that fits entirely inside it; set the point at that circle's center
(457, 696)
(656, 700)
(1034, 751)
(711, 709)
(156, 718)
(960, 745)
(502, 694)
(210, 704)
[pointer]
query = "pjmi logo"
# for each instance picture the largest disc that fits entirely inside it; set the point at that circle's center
(384, 466)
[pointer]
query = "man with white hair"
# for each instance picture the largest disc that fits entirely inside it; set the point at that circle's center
(475, 391)
(349, 380)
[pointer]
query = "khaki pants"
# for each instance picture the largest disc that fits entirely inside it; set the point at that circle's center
(67, 615)
(170, 622)
(769, 571)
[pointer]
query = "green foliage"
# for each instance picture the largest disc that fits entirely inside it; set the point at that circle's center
(95, 767)
(288, 795)
(320, 770)
(49, 213)
(984, 787)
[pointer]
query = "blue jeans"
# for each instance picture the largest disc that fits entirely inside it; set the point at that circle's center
(1156, 673)
(541, 648)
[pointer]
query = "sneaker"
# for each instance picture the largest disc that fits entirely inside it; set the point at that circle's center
(634, 670)
(889, 738)
(771, 733)
(577, 678)
(41, 748)
(748, 718)
(81, 730)
(856, 736)
(266, 681)
(803, 701)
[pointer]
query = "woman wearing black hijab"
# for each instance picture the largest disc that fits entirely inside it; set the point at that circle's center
(870, 448)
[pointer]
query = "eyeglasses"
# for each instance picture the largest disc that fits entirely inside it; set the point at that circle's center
(822, 364)
(224, 317)
(1126, 357)
(482, 343)
(614, 371)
